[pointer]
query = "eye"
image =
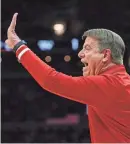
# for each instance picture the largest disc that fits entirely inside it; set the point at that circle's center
(87, 48)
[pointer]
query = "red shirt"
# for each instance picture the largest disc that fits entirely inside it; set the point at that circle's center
(107, 96)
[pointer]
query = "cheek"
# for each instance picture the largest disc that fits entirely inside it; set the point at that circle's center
(96, 58)
(88, 56)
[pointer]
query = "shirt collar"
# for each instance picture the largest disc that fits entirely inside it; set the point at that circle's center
(114, 69)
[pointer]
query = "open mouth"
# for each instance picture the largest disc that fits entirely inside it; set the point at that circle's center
(85, 64)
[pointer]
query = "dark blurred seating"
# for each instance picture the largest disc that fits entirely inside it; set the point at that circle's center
(24, 102)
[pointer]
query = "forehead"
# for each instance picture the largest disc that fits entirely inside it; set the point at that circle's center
(91, 41)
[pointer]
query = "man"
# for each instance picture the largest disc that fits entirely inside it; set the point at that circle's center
(104, 86)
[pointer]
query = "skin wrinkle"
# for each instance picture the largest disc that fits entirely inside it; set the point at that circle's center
(97, 60)
(108, 39)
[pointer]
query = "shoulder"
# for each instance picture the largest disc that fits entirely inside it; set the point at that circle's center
(107, 79)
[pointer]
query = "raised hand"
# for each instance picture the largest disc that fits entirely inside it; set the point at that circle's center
(12, 38)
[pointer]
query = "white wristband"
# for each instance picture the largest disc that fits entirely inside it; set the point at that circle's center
(22, 52)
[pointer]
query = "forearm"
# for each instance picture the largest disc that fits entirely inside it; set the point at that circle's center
(49, 79)
(81, 89)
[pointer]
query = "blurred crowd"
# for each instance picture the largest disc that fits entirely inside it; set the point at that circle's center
(61, 134)
(24, 102)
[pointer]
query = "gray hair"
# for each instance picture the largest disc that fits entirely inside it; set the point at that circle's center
(108, 39)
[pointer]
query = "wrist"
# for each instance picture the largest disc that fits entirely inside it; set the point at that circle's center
(18, 45)
(21, 51)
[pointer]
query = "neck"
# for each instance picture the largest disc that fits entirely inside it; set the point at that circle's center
(107, 67)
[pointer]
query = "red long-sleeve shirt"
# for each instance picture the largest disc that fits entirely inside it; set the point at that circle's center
(107, 96)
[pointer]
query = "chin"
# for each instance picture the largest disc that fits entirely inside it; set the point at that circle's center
(84, 74)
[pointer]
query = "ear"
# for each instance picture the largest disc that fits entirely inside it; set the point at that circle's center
(107, 55)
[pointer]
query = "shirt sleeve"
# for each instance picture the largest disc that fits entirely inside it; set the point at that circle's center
(92, 90)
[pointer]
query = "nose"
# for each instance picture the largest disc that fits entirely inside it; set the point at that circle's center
(81, 54)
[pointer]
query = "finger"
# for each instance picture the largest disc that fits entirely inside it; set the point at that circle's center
(13, 22)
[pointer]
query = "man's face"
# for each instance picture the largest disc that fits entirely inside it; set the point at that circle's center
(91, 57)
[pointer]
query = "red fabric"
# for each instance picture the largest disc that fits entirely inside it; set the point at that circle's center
(21, 48)
(107, 96)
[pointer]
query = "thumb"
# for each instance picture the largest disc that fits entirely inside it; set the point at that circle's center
(8, 43)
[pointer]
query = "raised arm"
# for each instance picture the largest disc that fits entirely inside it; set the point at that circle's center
(88, 90)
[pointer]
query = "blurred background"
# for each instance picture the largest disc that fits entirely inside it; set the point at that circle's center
(53, 30)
